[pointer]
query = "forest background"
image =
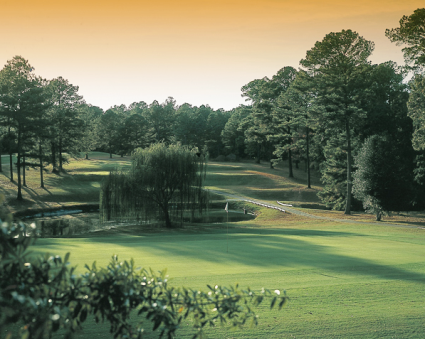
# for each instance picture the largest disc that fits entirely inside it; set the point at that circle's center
(322, 116)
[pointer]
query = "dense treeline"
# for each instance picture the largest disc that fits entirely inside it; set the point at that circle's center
(44, 122)
(323, 114)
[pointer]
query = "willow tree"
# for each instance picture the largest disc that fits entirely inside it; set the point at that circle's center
(164, 181)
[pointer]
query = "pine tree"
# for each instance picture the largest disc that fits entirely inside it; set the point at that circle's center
(338, 64)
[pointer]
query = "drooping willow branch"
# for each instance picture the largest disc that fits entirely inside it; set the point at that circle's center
(163, 183)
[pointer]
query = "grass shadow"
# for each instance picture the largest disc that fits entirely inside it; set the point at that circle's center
(282, 248)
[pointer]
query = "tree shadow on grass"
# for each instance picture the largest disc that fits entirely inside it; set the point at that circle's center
(283, 248)
(78, 187)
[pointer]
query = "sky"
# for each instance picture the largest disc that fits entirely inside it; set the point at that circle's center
(199, 52)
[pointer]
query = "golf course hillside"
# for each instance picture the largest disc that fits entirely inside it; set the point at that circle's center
(346, 276)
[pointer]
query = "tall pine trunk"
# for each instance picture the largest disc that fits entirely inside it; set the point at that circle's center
(11, 166)
(10, 157)
(19, 197)
(308, 158)
(291, 173)
(271, 158)
(53, 150)
(349, 184)
(24, 182)
(166, 215)
(1, 151)
(40, 153)
(258, 154)
(60, 154)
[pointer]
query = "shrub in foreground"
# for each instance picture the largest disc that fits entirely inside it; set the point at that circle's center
(44, 295)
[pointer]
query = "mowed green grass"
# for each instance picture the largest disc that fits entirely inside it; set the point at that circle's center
(78, 184)
(258, 181)
(345, 280)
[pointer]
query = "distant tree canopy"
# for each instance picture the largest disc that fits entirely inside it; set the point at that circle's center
(22, 105)
(411, 34)
(416, 112)
(320, 114)
(163, 182)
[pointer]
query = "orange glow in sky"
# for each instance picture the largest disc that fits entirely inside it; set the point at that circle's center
(197, 51)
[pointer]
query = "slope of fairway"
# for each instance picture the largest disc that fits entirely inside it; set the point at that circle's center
(79, 183)
(260, 182)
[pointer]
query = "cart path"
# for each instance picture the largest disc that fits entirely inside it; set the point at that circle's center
(293, 210)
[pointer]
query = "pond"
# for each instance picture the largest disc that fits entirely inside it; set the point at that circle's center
(80, 221)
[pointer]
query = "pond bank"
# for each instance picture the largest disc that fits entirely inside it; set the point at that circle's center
(59, 211)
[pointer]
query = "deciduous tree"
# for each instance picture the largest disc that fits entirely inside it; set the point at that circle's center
(90, 118)
(384, 175)
(232, 135)
(416, 105)
(109, 131)
(161, 119)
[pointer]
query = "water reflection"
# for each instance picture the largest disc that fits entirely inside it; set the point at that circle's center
(77, 223)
